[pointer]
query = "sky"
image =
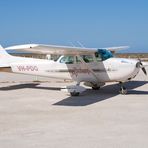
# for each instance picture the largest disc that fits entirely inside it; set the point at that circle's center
(92, 23)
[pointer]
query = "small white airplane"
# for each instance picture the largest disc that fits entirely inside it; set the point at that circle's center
(92, 66)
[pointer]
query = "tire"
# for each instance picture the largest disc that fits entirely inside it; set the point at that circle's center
(74, 94)
(123, 91)
(96, 87)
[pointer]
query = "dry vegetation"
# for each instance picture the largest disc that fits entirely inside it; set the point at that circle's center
(142, 56)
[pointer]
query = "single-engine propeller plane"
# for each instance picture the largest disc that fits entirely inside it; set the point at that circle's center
(93, 66)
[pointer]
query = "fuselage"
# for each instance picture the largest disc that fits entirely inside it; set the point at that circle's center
(112, 69)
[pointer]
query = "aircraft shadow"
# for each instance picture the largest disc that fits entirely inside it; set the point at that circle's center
(107, 92)
(28, 85)
(89, 96)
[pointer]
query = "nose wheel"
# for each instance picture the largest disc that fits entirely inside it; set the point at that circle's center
(123, 89)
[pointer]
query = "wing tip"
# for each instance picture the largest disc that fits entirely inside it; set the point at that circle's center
(25, 46)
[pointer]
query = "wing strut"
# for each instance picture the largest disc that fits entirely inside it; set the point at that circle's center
(92, 72)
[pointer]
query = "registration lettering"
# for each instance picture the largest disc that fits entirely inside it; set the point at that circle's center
(27, 68)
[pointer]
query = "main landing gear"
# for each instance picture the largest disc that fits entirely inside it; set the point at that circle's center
(123, 89)
(96, 87)
(74, 93)
(74, 90)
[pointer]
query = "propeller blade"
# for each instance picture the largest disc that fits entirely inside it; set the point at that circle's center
(143, 68)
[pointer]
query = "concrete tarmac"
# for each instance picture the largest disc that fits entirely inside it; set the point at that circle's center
(39, 115)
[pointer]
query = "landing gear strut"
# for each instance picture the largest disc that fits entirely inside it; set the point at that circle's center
(123, 89)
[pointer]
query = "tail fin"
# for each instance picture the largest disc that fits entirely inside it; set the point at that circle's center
(5, 59)
(3, 53)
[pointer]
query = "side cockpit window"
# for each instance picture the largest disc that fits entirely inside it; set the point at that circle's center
(98, 57)
(67, 60)
(86, 58)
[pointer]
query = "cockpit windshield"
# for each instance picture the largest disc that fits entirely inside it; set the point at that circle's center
(105, 54)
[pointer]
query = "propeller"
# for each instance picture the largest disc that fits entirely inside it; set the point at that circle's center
(140, 65)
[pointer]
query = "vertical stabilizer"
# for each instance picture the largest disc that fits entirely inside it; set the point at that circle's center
(3, 53)
(5, 59)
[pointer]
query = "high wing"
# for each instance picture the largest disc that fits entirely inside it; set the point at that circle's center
(60, 50)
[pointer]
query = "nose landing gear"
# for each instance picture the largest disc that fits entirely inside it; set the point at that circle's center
(123, 89)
